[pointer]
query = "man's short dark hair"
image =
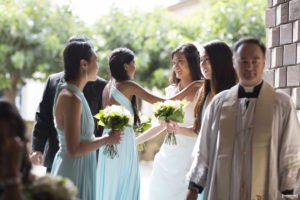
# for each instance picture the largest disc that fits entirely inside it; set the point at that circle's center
(249, 40)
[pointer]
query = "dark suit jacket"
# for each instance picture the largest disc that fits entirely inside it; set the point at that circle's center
(44, 136)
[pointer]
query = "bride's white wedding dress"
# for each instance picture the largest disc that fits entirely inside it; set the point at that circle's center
(172, 162)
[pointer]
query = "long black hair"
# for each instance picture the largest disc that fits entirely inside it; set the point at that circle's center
(10, 115)
(192, 56)
(117, 59)
(223, 75)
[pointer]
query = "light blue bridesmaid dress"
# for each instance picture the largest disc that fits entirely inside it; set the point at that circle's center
(119, 178)
(82, 169)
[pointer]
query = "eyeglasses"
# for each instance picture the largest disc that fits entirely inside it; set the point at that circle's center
(246, 62)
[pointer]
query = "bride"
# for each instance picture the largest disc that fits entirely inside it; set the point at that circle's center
(172, 162)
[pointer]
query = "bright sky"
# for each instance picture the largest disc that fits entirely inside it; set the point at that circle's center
(89, 10)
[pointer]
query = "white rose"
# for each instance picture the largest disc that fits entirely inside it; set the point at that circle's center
(144, 119)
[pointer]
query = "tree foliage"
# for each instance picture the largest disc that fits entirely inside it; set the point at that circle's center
(153, 36)
(228, 20)
(32, 36)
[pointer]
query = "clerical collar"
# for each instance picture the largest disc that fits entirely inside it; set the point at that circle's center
(249, 92)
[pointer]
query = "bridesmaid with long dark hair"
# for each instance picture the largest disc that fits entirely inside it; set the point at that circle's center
(217, 68)
(76, 157)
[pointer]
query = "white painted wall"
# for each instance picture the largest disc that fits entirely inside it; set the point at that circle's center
(29, 99)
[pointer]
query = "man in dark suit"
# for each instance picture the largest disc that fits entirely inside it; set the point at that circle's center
(44, 136)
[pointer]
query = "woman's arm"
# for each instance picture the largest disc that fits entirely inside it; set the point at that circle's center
(189, 90)
(130, 88)
(72, 109)
(150, 133)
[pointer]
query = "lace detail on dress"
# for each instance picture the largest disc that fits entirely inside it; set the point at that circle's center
(171, 90)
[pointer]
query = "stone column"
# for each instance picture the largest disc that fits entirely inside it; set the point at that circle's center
(283, 47)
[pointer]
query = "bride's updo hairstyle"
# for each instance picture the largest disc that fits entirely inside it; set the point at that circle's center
(77, 48)
(117, 59)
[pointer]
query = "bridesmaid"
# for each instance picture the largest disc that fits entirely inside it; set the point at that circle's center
(217, 68)
(119, 178)
(76, 158)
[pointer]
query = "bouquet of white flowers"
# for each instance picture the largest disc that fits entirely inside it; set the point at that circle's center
(145, 125)
(51, 188)
(170, 110)
(116, 118)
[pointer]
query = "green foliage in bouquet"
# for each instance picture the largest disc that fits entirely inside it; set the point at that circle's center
(170, 110)
(114, 117)
(114, 120)
(145, 125)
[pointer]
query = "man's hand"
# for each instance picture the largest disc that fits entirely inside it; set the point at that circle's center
(36, 158)
(191, 195)
(115, 136)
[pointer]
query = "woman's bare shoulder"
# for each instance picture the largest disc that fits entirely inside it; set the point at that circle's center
(68, 97)
(127, 85)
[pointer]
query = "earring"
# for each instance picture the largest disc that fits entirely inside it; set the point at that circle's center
(86, 76)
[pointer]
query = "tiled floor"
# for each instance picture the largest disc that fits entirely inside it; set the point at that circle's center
(145, 170)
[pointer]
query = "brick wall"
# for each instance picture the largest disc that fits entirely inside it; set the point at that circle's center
(283, 47)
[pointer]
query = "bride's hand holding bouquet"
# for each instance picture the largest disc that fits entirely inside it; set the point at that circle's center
(172, 127)
(170, 111)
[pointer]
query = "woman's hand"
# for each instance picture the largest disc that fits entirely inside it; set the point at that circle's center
(115, 136)
(172, 127)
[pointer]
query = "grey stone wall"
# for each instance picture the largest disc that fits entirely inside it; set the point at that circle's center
(283, 47)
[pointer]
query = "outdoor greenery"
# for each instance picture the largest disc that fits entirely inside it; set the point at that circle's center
(32, 37)
(229, 20)
(33, 34)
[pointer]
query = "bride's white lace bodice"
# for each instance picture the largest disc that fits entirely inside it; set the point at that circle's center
(172, 162)
(188, 107)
